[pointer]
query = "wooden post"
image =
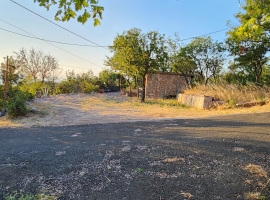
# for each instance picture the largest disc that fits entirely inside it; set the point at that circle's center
(6, 82)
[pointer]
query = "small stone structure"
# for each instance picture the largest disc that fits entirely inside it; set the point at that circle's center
(198, 101)
(38, 94)
(165, 84)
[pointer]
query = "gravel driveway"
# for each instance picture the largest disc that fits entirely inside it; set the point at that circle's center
(209, 158)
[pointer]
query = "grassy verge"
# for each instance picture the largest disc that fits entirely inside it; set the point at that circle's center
(233, 94)
(165, 102)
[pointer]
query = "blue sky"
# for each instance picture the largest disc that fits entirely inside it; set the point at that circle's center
(188, 18)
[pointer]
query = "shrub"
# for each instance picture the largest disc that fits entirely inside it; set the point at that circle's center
(87, 87)
(66, 87)
(12, 93)
(17, 104)
(31, 86)
(2, 104)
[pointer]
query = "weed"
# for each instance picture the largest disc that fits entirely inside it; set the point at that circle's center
(139, 170)
(261, 181)
(256, 170)
(254, 196)
(20, 196)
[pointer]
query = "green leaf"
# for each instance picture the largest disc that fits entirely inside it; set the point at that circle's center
(96, 22)
(94, 2)
(85, 4)
(84, 17)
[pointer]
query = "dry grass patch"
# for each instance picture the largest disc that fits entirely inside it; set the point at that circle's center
(110, 108)
(233, 94)
(254, 196)
(174, 159)
(260, 183)
(256, 170)
(7, 122)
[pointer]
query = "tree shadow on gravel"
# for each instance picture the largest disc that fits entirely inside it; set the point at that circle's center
(172, 159)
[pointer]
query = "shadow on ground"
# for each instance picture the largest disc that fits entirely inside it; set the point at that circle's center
(141, 160)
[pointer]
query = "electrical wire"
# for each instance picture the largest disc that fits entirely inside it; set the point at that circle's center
(105, 47)
(53, 45)
(85, 45)
(58, 25)
(205, 34)
(81, 45)
(72, 67)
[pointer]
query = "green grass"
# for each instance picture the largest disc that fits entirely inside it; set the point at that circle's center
(165, 102)
(20, 196)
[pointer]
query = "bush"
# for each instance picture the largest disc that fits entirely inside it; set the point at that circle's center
(12, 93)
(71, 86)
(87, 87)
(66, 87)
(17, 104)
(31, 86)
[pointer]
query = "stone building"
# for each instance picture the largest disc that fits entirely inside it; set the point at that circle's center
(165, 84)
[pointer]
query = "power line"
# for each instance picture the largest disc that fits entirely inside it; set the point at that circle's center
(58, 25)
(205, 34)
(105, 47)
(85, 45)
(81, 45)
(53, 45)
(73, 67)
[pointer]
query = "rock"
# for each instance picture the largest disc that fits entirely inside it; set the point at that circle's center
(33, 109)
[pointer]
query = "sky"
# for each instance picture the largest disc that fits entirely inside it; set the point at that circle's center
(188, 18)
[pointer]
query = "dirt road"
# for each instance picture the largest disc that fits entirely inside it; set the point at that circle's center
(176, 159)
(80, 109)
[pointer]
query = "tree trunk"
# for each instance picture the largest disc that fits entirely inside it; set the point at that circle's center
(186, 79)
(120, 82)
(143, 88)
(129, 86)
(137, 87)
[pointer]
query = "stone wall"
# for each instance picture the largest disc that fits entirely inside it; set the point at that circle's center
(164, 84)
(198, 101)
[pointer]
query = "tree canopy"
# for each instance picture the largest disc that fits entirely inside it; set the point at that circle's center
(254, 21)
(250, 41)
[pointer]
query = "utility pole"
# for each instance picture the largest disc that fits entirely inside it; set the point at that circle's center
(6, 82)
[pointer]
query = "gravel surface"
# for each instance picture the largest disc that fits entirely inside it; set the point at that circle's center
(172, 159)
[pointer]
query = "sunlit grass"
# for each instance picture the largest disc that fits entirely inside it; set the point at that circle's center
(233, 94)
(166, 102)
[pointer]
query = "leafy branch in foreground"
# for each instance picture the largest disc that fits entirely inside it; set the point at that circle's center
(70, 9)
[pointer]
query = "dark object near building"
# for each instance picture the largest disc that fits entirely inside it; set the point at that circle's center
(112, 89)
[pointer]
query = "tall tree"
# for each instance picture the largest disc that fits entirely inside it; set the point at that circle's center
(254, 22)
(144, 52)
(179, 61)
(250, 41)
(203, 57)
(250, 61)
(68, 9)
(37, 64)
